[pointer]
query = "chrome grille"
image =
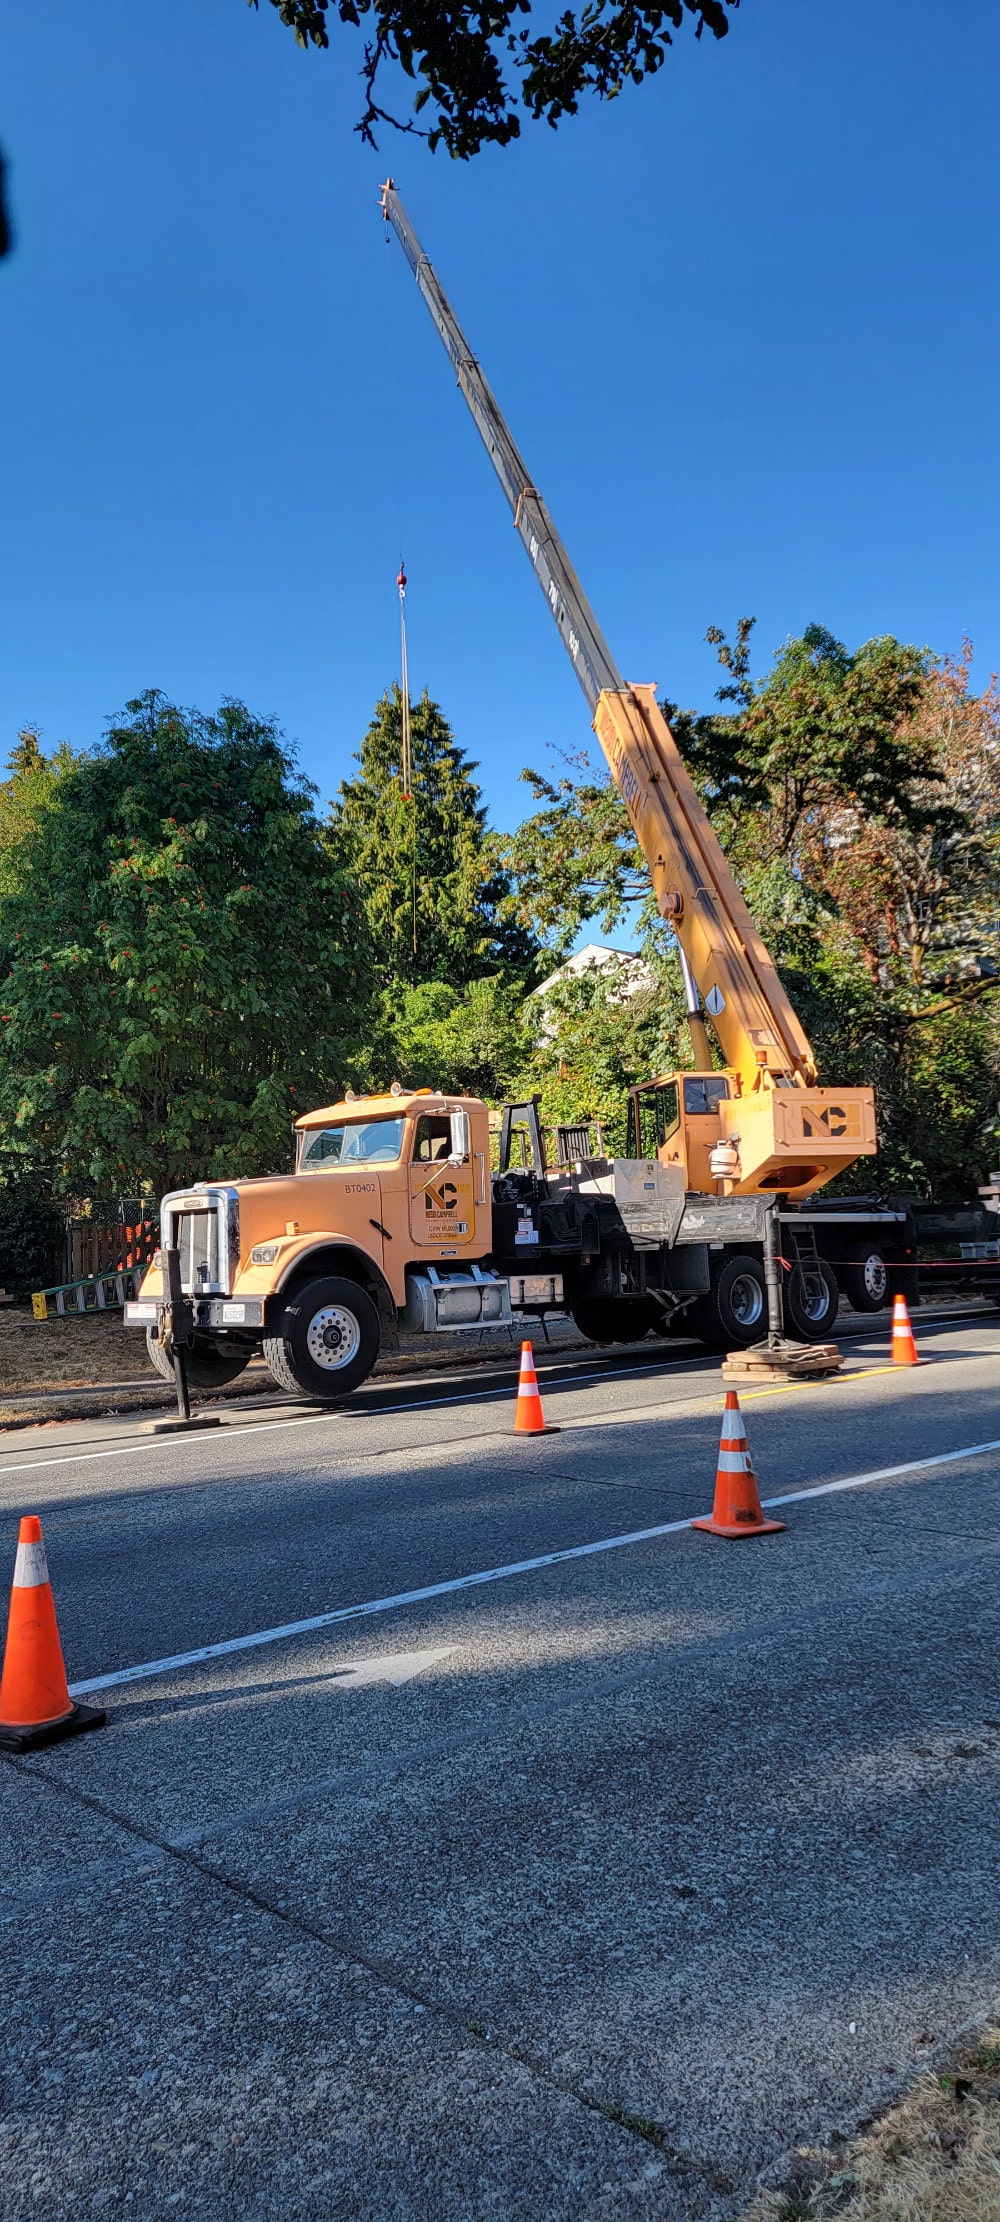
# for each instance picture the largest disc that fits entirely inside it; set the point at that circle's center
(196, 1234)
(203, 1225)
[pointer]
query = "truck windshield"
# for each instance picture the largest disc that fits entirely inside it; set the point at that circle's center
(368, 1142)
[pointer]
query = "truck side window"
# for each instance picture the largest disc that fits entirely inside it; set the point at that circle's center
(703, 1095)
(433, 1140)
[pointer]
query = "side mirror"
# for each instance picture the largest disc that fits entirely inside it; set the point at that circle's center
(460, 1142)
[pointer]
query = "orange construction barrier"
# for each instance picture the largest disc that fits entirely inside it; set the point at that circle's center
(529, 1419)
(35, 1704)
(736, 1510)
(904, 1349)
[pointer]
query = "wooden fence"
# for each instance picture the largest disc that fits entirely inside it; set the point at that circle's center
(93, 1248)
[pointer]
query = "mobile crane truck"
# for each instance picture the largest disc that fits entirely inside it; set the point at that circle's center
(713, 1222)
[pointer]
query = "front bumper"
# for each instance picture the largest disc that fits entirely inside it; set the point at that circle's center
(209, 1312)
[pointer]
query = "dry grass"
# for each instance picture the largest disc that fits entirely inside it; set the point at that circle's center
(36, 1354)
(933, 2158)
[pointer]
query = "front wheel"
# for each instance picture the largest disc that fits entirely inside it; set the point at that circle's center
(812, 1302)
(327, 1341)
(206, 1368)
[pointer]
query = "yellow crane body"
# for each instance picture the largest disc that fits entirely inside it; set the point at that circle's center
(790, 1136)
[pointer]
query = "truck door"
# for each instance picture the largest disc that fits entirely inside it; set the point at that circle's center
(442, 1194)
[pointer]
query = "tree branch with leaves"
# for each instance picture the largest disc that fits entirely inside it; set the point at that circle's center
(475, 66)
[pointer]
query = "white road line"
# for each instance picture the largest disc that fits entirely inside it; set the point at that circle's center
(494, 1574)
(227, 1433)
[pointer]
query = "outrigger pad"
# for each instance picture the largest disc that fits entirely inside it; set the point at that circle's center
(784, 1361)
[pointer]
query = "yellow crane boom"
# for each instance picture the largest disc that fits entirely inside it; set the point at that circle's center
(771, 1130)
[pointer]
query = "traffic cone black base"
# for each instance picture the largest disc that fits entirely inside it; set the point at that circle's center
(76, 1723)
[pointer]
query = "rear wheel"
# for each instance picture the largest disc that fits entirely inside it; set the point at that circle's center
(811, 1302)
(615, 1319)
(327, 1340)
(866, 1281)
(207, 1368)
(734, 1313)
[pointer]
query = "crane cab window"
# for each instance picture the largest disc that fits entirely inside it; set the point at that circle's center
(432, 1142)
(704, 1093)
(658, 1111)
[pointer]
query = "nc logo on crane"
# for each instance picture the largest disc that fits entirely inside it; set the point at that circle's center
(833, 1120)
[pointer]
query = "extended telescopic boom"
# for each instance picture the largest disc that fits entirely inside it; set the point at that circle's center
(595, 667)
(695, 890)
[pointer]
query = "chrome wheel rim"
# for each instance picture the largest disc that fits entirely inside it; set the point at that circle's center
(333, 1338)
(876, 1278)
(747, 1299)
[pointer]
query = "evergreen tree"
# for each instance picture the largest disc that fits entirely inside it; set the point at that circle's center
(426, 867)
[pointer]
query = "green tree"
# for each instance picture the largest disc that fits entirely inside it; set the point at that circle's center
(858, 798)
(478, 1038)
(25, 795)
(425, 866)
(183, 958)
(595, 1035)
(467, 60)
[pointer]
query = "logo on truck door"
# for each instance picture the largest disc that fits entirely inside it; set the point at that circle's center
(439, 1201)
(443, 1198)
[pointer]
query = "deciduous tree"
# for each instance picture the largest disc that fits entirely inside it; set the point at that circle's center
(474, 65)
(183, 959)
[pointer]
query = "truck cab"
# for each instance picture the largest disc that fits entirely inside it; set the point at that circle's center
(386, 1216)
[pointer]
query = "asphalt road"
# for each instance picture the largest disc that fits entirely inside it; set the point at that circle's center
(584, 1890)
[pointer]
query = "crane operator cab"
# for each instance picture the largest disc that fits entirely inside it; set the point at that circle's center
(778, 1140)
(676, 1119)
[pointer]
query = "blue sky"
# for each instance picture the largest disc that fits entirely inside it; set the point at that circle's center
(744, 322)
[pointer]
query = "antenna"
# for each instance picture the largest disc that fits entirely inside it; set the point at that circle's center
(407, 766)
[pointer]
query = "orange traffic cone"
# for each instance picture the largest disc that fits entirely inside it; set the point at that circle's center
(736, 1510)
(904, 1349)
(35, 1704)
(529, 1419)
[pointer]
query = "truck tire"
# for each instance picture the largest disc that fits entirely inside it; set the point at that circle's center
(866, 1280)
(811, 1318)
(327, 1340)
(734, 1313)
(610, 1319)
(207, 1368)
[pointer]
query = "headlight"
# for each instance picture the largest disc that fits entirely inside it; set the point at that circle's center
(264, 1253)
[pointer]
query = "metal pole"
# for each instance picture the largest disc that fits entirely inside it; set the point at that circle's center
(772, 1280)
(697, 1029)
(178, 1328)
